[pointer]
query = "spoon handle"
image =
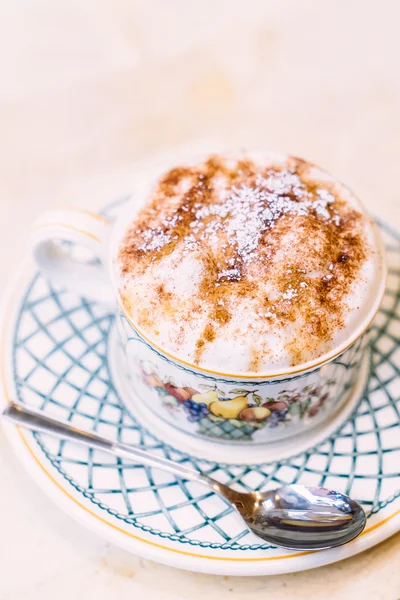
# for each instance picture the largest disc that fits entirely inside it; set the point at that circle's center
(37, 420)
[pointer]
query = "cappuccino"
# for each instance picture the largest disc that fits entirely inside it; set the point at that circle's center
(247, 263)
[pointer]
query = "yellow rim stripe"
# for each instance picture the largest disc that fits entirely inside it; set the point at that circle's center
(84, 211)
(71, 227)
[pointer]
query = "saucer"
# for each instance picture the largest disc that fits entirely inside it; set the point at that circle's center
(56, 355)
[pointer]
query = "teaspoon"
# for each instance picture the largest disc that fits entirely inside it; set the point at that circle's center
(293, 516)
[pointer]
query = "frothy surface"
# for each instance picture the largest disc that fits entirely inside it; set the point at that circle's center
(246, 264)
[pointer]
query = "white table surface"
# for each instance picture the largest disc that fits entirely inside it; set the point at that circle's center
(90, 87)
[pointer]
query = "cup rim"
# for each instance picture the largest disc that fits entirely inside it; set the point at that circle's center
(120, 224)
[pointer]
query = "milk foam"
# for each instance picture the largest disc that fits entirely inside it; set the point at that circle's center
(167, 298)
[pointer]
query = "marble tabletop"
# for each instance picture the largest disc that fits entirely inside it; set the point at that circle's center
(91, 91)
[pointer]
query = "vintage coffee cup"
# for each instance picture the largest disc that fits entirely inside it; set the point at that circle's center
(224, 406)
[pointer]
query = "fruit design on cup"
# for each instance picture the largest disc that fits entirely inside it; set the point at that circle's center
(238, 413)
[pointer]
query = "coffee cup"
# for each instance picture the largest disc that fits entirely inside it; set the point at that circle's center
(245, 374)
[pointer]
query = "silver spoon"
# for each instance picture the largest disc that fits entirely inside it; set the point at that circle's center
(294, 516)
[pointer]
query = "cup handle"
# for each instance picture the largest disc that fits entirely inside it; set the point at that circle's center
(83, 228)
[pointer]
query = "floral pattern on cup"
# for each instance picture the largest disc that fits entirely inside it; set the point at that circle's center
(238, 413)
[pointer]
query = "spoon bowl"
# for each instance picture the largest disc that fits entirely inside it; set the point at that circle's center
(302, 518)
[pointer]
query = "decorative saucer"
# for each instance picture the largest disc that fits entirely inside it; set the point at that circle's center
(56, 350)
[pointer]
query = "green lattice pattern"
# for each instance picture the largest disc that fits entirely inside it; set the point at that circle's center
(60, 365)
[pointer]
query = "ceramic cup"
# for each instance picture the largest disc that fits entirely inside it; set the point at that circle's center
(280, 403)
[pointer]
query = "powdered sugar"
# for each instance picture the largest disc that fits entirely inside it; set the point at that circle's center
(290, 293)
(239, 215)
(154, 239)
(229, 274)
